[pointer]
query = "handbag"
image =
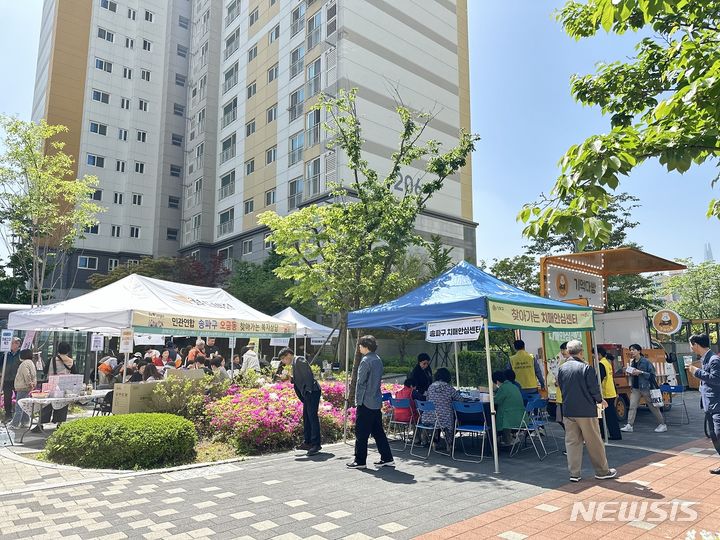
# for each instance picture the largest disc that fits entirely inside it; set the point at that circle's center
(656, 396)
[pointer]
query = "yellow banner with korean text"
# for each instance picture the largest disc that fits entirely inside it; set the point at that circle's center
(538, 317)
(182, 325)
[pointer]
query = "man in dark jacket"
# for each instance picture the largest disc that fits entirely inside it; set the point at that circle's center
(709, 374)
(308, 391)
(581, 397)
(11, 359)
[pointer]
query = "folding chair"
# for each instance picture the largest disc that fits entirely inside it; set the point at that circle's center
(423, 407)
(386, 414)
(530, 427)
(480, 429)
(103, 406)
(680, 392)
(400, 427)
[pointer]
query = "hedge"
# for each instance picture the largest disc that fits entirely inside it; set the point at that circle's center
(129, 441)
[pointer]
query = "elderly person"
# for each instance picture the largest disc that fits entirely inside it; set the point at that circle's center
(709, 375)
(250, 360)
(642, 380)
(199, 348)
(581, 398)
(441, 393)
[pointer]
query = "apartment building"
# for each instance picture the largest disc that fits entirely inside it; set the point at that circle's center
(253, 144)
(115, 73)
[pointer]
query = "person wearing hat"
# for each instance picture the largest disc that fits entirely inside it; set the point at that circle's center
(10, 361)
(250, 359)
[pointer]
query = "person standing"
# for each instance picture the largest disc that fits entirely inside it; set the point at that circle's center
(642, 380)
(308, 392)
(25, 382)
(581, 397)
(709, 375)
(368, 400)
(526, 368)
(250, 359)
(422, 374)
(61, 364)
(609, 394)
(10, 363)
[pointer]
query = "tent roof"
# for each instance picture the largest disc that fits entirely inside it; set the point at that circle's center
(462, 291)
(154, 306)
(305, 326)
(614, 262)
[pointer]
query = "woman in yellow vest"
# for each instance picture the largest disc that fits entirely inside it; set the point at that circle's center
(607, 387)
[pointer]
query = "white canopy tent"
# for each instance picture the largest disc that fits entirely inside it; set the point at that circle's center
(306, 328)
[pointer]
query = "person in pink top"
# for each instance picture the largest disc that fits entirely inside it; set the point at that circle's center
(406, 414)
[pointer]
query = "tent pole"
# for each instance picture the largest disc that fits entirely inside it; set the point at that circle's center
(492, 399)
(347, 384)
(457, 370)
(232, 358)
(305, 345)
(127, 359)
(96, 367)
(596, 364)
(295, 344)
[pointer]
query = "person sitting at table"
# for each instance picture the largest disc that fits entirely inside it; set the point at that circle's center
(441, 393)
(422, 375)
(509, 408)
(150, 372)
(406, 414)
(510, 376)
(217, 364)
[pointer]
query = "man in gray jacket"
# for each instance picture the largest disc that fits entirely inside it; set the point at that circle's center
(709, 374)
(308, 392)
(368, 400)
(581, 396)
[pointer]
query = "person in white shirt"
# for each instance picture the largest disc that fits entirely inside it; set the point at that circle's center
(250, 360)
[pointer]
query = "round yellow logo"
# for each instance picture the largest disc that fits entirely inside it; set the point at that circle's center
(561, 285)
(666, 321)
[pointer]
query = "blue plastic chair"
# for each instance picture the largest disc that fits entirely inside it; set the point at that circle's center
(398, 426)
(461, 408)
(423, 407)
(680, 392)
(533, 426)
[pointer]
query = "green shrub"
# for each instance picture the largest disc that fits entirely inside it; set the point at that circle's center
(188, 397)
(128, 441)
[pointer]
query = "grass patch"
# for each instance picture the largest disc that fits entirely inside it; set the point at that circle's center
(209, 451)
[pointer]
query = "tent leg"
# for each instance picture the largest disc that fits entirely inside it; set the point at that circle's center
(347, 384)
(232, 357)
(96, 369)
(492, 399)
(457, 369)
(596, 364)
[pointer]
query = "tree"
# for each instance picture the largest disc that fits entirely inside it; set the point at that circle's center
(697, 290)
(343, 254)
(43, 207)
(188, 270)
(521, 271)
(662, 104)
(439, 256)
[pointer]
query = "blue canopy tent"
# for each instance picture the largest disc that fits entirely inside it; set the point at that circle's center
(466, 291)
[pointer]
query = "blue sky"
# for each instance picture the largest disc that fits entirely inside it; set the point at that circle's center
(521, 63)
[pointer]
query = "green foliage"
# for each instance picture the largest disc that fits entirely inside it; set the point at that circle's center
(697, 290)
(632, 292)
(128, 441)
(522, 271)
(439, 255)
(473, 367)
(42, 204)
(188, 397)
(663, 104)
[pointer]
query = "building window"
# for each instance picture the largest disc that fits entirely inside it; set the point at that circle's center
(297, 59)
(233, 10)
(103, 65)
(270, 197)
(313, 78)
(96, 195)
(113, 264)
(132, 262)
(272, 73)
(92, 229)
(173, 201)
(227, 222)
(295, 151)
(142, 136)
(247, 247)
(129, 43)
(227, 185)
(134, 231)
(295, 192)
(143, 105)
(330, 17)
(137, 199)
(176, 139)
(251, 89)
(270, 155)
(274, 34)
(249, 206)
(127, 73)
(180, 80)
(250, 128)
(312, 123)
(95, 161)
(149, 16)
(139, 167)
(115, 231)
(145, 75)
(254, 16)
(102, 97)
(178, 109)
(230, 77)
(232, 43)
(252, 53)
(183, 22)
(271, 114)
(249, 167)
(125, 103)
(225, 255)
(312, 176)
(110, 6)
(298, 19)
(146, 45)
(176, 171)
(182, 51)
(85, 262)
(119, 165)
(314, 26)
(132, 14)
(267, 243)
(229, 112)
(204, 54)
(172, 234)
(296, 104)
(227, 149)
(122, 134)
(118, 197)
(107, 35)
(96, 127)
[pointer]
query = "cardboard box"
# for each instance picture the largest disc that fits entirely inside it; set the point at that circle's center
(133, 397)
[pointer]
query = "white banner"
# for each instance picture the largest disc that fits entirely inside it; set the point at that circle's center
(454, 330)
(126, 340)
(28, 341)
(279, 342)
(565, 284)
(6, 340)
(97, 343)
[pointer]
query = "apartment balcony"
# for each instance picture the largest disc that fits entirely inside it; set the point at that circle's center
(229, 118)
(193, 235)
(297, 68)
(227, 154)
(228, 84)
(312, 136)
(295, 111)
(231, 16)
(294, 201)
(226, 191)
(295, 156)
(297, 26)
(225, 228)
(230, 50)
(312, 87)
(194, 199)
(313, 38)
